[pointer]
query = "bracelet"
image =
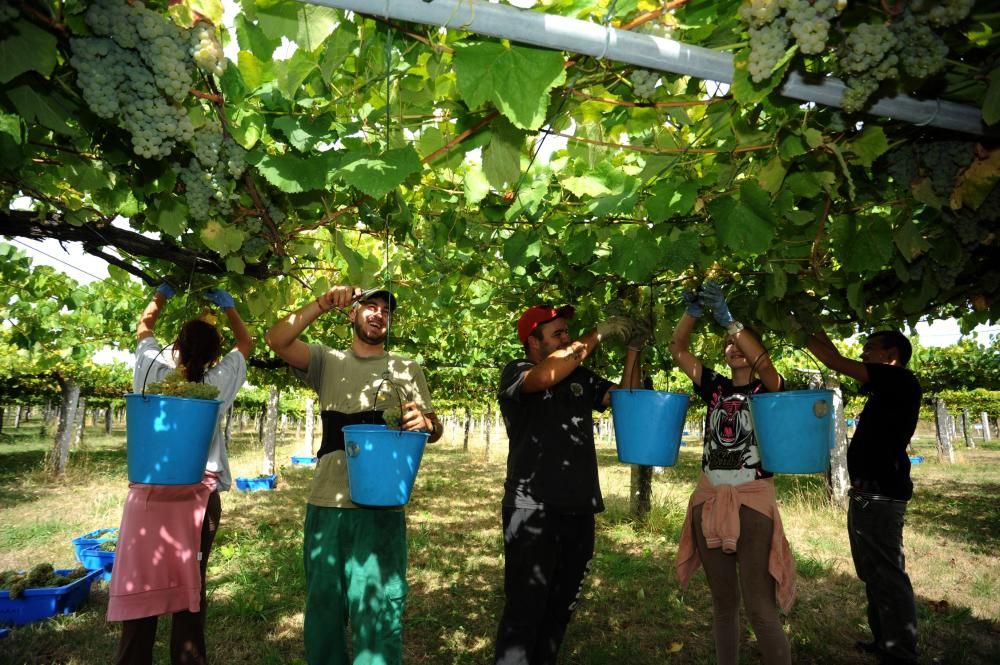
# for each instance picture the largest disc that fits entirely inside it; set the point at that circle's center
(320, 305)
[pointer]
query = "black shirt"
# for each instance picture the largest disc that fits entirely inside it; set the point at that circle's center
(552, 462)
(877, 460)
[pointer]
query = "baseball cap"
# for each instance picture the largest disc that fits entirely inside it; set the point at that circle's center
(539, 314)
(371, 294)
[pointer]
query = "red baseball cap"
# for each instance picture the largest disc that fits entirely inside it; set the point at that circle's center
(539, 314)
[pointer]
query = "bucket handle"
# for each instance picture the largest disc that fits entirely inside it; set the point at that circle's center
(146, 377)
(767, 352)
(387, 379)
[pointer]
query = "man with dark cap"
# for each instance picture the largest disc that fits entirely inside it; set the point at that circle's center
(551, 492)
(355, 557)
(879, 469)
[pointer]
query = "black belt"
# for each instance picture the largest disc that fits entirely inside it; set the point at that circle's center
(333, 424)
(865, 497)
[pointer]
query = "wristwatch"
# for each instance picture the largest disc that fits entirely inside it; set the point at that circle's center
(734, 328)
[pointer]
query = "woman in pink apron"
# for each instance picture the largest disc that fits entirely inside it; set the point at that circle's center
(167, 530)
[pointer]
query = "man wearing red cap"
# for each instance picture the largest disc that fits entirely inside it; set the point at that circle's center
(551, 492)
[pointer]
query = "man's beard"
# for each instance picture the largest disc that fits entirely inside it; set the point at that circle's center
(362, 333)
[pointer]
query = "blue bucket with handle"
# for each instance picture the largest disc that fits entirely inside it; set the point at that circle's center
(382, 463)
(168, 438)
(794, 429)
(648, 425)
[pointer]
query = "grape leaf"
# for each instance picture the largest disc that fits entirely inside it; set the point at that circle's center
(516, 79)
(26, 48)
(502, 157)
(376, 175)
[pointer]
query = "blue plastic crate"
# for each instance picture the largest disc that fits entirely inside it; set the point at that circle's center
(37, 604)
(92, 539)
(303, 460)
(253, 484)
(94, 558)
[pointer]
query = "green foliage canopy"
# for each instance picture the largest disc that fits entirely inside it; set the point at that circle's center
(383, 152)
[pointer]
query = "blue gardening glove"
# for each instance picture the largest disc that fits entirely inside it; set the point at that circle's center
(694, 307)
(712, 298)
(166, 290)
(220, 298)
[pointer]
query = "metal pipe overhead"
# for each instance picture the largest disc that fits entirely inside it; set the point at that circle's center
(583, 37)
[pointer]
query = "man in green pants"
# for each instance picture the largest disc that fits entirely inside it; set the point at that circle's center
(355, 557)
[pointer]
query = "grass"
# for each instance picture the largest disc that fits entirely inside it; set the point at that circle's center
(632, 611)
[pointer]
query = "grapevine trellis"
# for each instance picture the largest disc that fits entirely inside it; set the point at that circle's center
(477, 175)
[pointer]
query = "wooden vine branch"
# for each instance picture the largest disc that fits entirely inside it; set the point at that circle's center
(661, 151)
(461, 137)
(124, 265)
(814, 253)
(656, 13)
(214, 98)
(26, 224)
(659, 105)
(412, 35)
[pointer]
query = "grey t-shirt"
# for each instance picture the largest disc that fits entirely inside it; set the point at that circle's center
(348, 383)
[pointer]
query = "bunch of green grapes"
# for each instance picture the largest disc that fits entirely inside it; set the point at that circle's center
(139, 70)
(771, 24)
(208, 144)
(865, 47)
(809, 21)
(921, 51)
(872, 52)
(174, 384)
(393, 417)
(868, 58)
(161, 44)
(943, 13)
(206, 49)
(942, 161)
(116, 83)
(39, 577)
(759, 12)
(767, 46)
(644, 82)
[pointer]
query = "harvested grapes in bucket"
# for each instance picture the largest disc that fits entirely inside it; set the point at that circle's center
(175, 385)
(393, 417)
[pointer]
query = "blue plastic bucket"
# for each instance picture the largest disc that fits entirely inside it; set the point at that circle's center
(795, 430)
(382, 463)
(168, 438)
(648, 425)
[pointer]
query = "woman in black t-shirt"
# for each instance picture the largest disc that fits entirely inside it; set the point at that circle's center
(753, 560)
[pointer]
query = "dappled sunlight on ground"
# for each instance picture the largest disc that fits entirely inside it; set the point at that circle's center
(631, 611)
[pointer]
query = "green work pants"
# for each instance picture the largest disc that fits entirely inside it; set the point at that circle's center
(355, 562)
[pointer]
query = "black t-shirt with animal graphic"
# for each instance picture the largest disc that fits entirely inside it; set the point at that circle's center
(730, 455)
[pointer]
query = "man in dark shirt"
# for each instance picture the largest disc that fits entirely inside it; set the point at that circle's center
(879, 468)
(551, 492)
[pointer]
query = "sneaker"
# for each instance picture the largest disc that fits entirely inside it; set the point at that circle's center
(866, 647)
